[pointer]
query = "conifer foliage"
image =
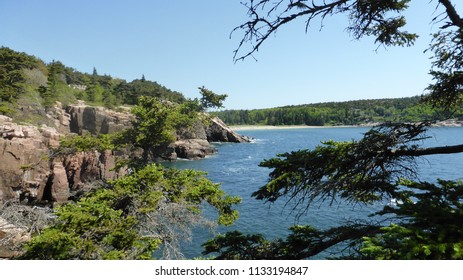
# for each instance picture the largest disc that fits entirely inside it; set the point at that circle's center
(426, 222)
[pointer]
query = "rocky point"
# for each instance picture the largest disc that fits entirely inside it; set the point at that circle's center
(29, 173)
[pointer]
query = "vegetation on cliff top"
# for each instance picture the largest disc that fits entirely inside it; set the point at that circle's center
(27, 82)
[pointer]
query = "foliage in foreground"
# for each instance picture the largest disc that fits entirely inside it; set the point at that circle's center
(139, 214)
(427, 221)
(133, 217)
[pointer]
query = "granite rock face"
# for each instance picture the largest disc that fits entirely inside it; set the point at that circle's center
(193, 148)
(195, 143)
(218, 131)
(24, 164)
(59, 189)
(28, 173)
(86, 167)
(192, 143)
(96, 120)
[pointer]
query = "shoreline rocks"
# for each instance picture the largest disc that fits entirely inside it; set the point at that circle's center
(29, 175)
(449, 123)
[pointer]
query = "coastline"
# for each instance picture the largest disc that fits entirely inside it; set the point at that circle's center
(446, 123)
(274, 127)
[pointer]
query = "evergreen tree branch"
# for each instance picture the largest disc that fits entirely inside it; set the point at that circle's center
(370, 18)
(452, 14)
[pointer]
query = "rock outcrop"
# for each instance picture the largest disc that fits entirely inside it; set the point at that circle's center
(28, 173)
(193, 148)
(195, 143)
(96, 120)
(24, 164)
(60, 117)
(218, 131)
(192, 143)
(86, 167)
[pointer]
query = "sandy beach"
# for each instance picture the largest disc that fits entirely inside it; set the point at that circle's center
(446, 123)
(268, 127)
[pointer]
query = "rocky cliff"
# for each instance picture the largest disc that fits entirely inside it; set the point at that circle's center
(96, 120)
(28, 173)
(192, 143)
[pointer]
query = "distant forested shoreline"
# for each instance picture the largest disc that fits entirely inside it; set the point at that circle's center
(28, 82)
(407, 109)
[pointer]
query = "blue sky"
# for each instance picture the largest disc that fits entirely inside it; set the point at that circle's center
(184, 44)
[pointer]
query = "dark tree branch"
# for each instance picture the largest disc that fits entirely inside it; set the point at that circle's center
(358, 171)
(452, 13)
(428, 151)
(259, 28)
(312, 244)
(367, 18)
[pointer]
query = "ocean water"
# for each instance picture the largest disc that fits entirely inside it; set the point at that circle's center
(235, 167)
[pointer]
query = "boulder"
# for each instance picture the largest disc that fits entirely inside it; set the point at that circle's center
(193, 148)
(218, 131)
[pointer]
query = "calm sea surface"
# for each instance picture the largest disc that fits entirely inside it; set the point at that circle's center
(235, 167)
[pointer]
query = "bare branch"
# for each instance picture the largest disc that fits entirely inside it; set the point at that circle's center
(17, 224)
(258, 29)
(173, 223)
(367, 18)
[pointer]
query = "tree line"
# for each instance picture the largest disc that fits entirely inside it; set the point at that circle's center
(408, 109)
(21, 73)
